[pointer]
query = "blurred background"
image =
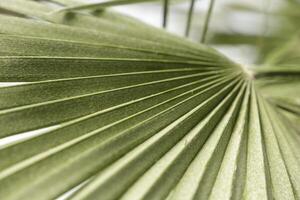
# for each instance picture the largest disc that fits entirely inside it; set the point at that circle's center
(245, 30)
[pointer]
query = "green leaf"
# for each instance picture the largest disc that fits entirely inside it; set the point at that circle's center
(104, 4)
(106, 107)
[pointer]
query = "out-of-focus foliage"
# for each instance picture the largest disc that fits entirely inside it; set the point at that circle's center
(284, 33)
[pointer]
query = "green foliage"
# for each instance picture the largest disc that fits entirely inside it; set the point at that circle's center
(127, 111)
(284, 29)
(103, 4)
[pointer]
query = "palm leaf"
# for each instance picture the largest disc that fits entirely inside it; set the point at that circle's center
(109, 108)
(104, 4)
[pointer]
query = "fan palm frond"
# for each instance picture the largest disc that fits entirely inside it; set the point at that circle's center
(107, 107)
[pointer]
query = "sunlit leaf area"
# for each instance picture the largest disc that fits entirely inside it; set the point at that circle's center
(149, 100)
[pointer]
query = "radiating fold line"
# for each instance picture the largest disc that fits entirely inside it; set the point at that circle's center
(183, 152)
(6, 111)
(21, 27)
(40, 7)
(282, 187)
(170, 184)
(41, 11)
(100, 5)
(119, 74)
(82, 113)
(292, 136)
(195, 182)
(23, 45)
(16, 40)
(123, 144)
(46, 91)
(289, 152)
(45, 142)
(257, 176)
(187, 62)
(37, 68)
(227, 177)
(193, 89)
